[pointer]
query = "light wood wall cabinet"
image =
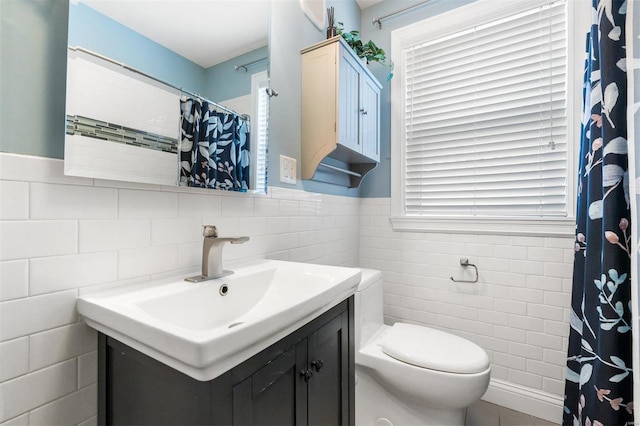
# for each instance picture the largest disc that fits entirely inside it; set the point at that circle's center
(340, 114)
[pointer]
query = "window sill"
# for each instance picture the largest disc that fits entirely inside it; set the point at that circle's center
(542, 227)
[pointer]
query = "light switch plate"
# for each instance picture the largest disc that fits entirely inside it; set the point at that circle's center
(287, 169)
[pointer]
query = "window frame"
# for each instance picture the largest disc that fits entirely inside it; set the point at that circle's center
(478, 13)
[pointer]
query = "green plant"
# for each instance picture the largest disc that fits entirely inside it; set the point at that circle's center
(369, 51)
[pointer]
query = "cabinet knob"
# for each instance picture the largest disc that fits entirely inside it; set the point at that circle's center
(306, 374)
(363, 111)
(317, 364)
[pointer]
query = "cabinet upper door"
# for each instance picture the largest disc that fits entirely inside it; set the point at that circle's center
(349, 104)
(369, 117)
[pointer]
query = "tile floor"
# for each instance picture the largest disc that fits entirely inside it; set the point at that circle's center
(485, 414)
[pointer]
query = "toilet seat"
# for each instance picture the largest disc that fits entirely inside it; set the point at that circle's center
(414, 344)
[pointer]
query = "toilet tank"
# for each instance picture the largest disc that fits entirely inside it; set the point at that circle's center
(368, 316)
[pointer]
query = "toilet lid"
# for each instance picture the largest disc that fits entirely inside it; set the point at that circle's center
(433, 349)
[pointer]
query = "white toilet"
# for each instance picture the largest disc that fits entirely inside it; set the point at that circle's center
(408, 374)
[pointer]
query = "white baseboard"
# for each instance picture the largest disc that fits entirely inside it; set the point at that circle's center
(530, 401)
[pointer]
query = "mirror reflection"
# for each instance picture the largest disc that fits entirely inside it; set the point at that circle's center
(169, 92)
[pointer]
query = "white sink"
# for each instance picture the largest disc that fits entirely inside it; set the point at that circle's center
(193, 328)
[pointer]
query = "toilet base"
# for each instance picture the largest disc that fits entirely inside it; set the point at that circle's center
(378, 406)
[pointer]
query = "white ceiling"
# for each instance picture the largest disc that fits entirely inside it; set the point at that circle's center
(366, 3)
(206, 32)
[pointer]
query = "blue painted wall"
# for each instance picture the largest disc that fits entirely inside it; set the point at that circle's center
(33, 44)
(223, 82)
(291, 31)
(99, 33)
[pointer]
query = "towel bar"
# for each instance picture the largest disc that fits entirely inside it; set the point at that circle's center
(464, 263)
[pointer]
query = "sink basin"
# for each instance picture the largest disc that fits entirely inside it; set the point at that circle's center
(204, 329)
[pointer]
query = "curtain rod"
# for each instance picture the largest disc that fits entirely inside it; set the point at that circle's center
(237, 67)
(166, 83)
(397, 12)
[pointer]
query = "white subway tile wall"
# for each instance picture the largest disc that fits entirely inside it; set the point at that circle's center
(63, 236)
(518, 311)
(103, 91)
(109, 93)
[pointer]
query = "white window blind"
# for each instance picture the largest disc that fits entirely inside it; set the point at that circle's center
(262, 139)
(485, 128)
(260, 131)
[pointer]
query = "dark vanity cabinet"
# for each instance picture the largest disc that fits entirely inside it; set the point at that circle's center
(306, 378)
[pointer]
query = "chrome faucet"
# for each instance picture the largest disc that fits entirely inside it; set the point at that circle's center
(212, 254)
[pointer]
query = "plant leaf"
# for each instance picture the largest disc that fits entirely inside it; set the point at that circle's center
(611, 175)
(606, 326)
(618, 377)
(204, 151)
(618, 361)
(595, 210)
(596, 95)
(611, 94)
(617, 145)
(186, 145)
(619, 308)
(613, 274)
(615, 33)
(585, 373)
(572, 376)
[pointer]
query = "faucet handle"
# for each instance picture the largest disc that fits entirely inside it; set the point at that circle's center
(209, 231)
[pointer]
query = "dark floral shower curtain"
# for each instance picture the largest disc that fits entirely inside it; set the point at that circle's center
(214, 147)
(599, 386)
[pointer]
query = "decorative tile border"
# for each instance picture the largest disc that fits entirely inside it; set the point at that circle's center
(89, 127)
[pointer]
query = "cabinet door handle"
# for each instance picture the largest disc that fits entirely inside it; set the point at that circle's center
(363, 111)
(306, 374)
(317, 364)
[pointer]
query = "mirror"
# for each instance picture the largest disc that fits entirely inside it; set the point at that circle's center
(140, 70)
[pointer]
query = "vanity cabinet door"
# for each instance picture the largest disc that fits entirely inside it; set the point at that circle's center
(274, 395)
(328, 399)
(308, 384)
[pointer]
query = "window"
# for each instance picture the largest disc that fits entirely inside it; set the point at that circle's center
(482, 120)
(259, 130)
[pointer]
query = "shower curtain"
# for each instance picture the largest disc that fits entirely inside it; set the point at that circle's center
(214, 147)
(599, 382)
(633, 123)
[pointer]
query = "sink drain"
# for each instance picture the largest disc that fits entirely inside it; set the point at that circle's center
(224, 289)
